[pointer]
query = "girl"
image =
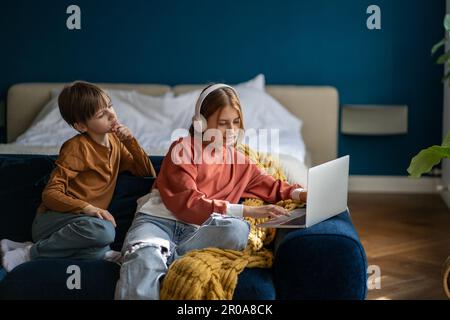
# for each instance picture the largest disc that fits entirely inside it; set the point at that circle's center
(193, 202)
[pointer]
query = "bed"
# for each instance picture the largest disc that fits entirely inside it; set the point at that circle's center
(316, 106)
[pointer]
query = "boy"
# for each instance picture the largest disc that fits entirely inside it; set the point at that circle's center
(72, 220)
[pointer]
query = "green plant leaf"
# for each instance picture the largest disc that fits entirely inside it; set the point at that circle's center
(437, 46)
(426, 159)
(443, 58)
(447, 22)
(446, 142)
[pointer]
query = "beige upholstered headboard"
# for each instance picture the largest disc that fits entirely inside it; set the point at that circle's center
(316, 106)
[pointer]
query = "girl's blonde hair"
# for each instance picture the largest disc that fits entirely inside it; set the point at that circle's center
(217, 100)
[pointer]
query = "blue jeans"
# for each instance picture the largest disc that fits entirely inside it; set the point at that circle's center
(69, 235)
(153, 243)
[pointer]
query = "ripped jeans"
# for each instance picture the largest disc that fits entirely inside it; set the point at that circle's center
(153, 243)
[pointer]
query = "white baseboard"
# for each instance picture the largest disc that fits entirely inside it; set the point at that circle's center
(392, 184)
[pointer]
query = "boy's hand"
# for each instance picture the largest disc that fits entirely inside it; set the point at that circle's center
(92, 211)
(122, 132)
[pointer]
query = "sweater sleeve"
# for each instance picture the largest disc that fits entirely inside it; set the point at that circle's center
(55, 196)
(134, 159)
(179, 193)
(264, 186)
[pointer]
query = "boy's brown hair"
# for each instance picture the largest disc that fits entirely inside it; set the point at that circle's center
(80, 101)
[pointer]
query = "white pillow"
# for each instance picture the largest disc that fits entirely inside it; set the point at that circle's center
(295, 170)
(53, 103)
(49, 128)
(176, 112)
(260, 111)
(158, 118)
(258, 83)
(263, 115)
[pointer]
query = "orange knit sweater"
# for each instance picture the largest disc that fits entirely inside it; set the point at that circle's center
(192, 191)
(86, 172)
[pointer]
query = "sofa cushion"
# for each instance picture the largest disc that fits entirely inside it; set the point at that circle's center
(3, 274)
(123, 204)
(47, 279)
(25, 176)
(255, 284)
(21, 184)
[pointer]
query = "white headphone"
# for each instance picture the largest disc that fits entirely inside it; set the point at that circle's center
(198, 120)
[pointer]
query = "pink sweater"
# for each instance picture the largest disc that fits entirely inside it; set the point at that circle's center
(193, 191)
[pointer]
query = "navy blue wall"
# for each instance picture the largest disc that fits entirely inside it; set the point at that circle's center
(306, 42)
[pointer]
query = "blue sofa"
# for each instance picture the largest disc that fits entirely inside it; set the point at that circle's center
(326, 261)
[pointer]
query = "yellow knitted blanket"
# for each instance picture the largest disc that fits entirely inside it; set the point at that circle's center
(212, 273)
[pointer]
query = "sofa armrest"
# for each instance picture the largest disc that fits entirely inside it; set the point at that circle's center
(325, 261)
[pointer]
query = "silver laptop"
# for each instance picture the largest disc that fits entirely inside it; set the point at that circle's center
(327, 196)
